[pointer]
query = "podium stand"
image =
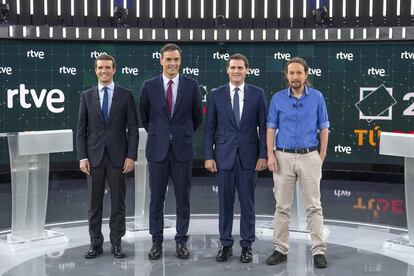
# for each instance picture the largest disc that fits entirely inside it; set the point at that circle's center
(29, 168)
(400, 144)
(142, 191)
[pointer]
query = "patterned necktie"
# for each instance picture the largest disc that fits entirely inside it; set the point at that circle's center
(236, 105)
(105, 105)
(169, 96)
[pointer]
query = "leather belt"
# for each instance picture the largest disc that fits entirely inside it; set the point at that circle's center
(299, 151)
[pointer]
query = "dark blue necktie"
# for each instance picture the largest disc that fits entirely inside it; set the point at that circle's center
(236, 105)
(105, 105)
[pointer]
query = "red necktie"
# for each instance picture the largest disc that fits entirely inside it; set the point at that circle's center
(169, 96)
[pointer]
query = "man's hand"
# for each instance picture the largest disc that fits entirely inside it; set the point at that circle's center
(128, 165)
(322, 155)
(85, 167)
(210, 165)
(272, 162)
(261, 164)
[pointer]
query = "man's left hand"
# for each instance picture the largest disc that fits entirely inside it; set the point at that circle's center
(261, 164)
(128, 165)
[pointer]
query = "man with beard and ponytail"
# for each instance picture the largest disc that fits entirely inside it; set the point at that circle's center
(297, 112)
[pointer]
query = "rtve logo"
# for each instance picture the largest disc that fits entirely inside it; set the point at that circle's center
(67, 70)
(219, 55)
(281, 56)
(129, 71)
(96, 54)
(376, 72)
(53, 97)
(407, 55)
(35, 54)
(315, 72)
(345, 56)
(6, 70)
(191, 71)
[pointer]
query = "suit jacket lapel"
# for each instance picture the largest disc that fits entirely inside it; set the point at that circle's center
(97, 103)
(230, 107)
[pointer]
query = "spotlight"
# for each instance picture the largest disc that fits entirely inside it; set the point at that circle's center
(320, 15)
(121, 16)
(4, 10)
(220, 22)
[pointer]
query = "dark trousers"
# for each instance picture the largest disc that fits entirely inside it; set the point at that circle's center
(245, 183)
(180, 173)
(117, 187)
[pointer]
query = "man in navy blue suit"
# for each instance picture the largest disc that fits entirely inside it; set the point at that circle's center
(235, 148)
(170, 108)
(106, 151)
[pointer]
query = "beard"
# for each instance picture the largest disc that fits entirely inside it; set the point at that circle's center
(296, 84)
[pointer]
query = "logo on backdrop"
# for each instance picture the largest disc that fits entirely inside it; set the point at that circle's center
(407, 55)
(281, 56)
(54, 98)
(35, 54)
(375, 103)
(6, 70)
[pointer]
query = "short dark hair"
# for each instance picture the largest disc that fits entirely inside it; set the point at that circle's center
(105, 57)
(170, 47)
(240, 57)
(302, 62)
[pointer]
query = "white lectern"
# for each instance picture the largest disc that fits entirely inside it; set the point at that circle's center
(29, 168)
(400, 144)
(142, 190)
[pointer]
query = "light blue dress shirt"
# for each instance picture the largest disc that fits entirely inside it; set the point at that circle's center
(297, 120)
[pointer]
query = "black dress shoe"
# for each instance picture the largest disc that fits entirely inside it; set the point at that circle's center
(224, 253)
(93, 252)
(182, 251)
(246, 255)
(320, 261)
(276, 258)
(117, 251)
(155, 252)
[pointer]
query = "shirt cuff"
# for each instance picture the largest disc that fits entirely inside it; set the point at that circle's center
(85, 159)
(271, 125)
(324, 125)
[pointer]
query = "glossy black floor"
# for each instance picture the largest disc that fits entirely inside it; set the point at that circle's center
(370, 202)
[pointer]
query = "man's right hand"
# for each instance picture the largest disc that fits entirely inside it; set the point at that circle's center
(272, 163)
(85, 167)
(210, 165)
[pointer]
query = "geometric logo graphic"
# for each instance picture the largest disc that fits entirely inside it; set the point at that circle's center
(375, 103)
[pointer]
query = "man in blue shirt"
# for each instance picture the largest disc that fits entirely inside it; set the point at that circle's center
(297, 112)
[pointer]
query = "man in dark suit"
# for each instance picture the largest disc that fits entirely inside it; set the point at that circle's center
(236, 127)
(106, 151)
(170, 108)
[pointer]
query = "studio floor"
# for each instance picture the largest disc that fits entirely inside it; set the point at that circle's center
(359, 219)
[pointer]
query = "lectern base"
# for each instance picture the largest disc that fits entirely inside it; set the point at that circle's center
(12, 243)
(139, 230)
(402, 244)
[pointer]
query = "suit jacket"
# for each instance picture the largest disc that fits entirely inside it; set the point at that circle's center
(161, 127)
(221, 130)
(93, 135)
